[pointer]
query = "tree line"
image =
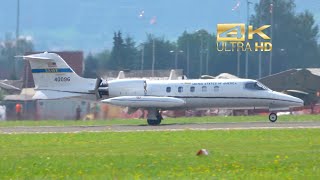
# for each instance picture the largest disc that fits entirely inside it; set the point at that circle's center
(294, 39)
(8, 50)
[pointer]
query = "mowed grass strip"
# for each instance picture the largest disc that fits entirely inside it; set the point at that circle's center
(181, 120)
(234, 154)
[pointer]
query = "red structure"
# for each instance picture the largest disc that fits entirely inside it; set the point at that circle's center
(73, 58)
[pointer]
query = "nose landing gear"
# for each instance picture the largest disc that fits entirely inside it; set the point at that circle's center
(273, 117)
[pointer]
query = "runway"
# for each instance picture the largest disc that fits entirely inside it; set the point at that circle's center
(164, 127)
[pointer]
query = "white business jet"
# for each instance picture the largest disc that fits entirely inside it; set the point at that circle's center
(55, 79)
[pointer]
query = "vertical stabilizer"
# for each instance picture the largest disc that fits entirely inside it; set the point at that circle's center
(51, 72)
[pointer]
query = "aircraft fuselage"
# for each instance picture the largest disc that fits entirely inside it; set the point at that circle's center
(217, 93)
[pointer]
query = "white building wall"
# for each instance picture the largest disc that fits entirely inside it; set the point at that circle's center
(61, 109)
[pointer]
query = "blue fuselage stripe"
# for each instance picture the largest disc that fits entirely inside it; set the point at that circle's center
(52, 70)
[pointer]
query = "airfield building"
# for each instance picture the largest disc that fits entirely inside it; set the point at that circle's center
(303, 83)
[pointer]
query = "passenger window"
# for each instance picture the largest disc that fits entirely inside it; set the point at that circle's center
(204, 88)
(168, 89)
(192, 89)
(180, 89)
(216, 89)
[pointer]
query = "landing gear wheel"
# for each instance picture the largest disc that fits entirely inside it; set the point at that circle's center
(273, 117)
(154, 122)
(154, 117)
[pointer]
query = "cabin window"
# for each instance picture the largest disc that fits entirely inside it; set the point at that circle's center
(216, 88)
(180, 89)
(168, 89)
(255, 86)
(192, 89)
(204, 88)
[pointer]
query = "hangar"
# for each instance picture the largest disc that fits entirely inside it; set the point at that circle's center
(303, 83)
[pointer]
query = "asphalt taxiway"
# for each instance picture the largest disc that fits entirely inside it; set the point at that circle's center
(163, 127)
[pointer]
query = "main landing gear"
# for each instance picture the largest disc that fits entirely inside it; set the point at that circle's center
(273, 117)
(154, 117)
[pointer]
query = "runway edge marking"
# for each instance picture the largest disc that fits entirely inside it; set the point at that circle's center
(160, 130)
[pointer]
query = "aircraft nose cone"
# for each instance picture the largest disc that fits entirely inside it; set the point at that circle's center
(288, 101)
(297, 102)
(300, 101)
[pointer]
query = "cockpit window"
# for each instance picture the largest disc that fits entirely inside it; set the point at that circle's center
(255, 86)
(262, 85)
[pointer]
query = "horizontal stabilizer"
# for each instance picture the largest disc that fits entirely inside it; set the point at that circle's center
(35, 56)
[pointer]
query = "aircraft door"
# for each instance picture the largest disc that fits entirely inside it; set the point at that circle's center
(189, 90)
(186, 92)
(145, 86)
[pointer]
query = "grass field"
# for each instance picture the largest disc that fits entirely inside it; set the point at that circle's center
(235, 154)
(182, 120)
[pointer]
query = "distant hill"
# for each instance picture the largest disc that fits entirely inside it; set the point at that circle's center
(89, 25)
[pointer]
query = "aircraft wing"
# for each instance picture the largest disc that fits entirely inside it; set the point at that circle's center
(145, 101)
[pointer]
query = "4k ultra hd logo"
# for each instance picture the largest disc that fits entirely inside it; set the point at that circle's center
(232, 37)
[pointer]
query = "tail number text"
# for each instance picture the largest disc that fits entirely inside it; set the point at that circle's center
(62, 79)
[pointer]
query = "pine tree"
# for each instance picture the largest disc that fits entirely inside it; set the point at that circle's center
(91, 66)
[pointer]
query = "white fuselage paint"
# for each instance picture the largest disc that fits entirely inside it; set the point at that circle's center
(55, 79)
(199, 93)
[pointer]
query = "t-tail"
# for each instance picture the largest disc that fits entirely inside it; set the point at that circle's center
(54, 78)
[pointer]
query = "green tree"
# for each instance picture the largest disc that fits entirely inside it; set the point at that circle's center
(103, 60)
(9, 50)
(131, 59)
(163, 58)
(294, 36)
(124, 54)
(117, 59)
(201, 43)
(91, 66)
(97, 64)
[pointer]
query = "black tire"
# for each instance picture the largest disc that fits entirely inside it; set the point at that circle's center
(273, 117)
(154, 122)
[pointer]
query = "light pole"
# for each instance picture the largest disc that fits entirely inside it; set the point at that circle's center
(142, 56)
(18, 20)
(207, 57)
(247, 25)
(260, 54)
(176, 52)
(260, 61)
(238, 52)
(271, 31)
(153, 56)
(238, 63)
(200, 52)
(188, 57)
(17, 38)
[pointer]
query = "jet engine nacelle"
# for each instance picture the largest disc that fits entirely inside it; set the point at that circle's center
(127, 87)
